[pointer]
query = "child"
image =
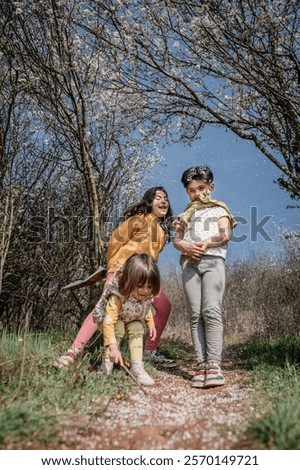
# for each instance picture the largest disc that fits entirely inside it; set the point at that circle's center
(145, 230)
(125, 305)
(202, 234)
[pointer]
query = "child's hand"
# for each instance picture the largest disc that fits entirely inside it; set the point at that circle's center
(115, 354)
(195, 250)
(203, 246)
(152, 333)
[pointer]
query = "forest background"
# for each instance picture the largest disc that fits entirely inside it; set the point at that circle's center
(90, 91)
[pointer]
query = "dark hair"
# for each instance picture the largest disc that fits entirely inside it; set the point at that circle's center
(144, 206)
(197, 173)
(139, 269)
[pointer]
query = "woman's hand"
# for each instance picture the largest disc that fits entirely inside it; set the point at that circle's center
(152, 333)
(115, 354)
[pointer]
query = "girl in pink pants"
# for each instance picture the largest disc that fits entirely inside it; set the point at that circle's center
(145, 230)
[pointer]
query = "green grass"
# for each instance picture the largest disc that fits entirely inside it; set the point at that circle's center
(174, 349)
(38, 401)
(276, 374)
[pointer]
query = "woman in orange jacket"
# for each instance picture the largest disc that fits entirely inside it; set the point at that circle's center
(146, 229)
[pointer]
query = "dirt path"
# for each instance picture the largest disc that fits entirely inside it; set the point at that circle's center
(175, 416)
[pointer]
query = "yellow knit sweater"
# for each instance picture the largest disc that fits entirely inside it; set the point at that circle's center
(138, 234)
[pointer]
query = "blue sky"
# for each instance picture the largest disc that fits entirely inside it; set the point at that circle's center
(243, 179)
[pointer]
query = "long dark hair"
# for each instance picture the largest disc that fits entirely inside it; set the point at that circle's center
(144, 206)
(137, 270)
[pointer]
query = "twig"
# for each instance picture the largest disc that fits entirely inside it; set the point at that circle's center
(133, 378)
(27, 321)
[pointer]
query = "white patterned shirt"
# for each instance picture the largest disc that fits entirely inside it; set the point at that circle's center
(203, 226)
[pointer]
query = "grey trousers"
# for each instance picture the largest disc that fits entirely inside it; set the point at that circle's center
(204, 283)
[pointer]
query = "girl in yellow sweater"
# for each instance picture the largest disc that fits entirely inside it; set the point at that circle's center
(124, 308)
(146, 229)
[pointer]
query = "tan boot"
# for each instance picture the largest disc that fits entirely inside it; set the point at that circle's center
(137, 369)
(106, 367)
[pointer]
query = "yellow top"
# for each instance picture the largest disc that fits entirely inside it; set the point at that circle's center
(138, 234)
(130, 310)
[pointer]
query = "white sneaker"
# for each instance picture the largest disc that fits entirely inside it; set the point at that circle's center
(137, 369)
(214, 375)
(106, 367)
(71, 356)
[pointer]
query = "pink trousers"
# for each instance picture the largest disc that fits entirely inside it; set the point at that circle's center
(162, 308)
